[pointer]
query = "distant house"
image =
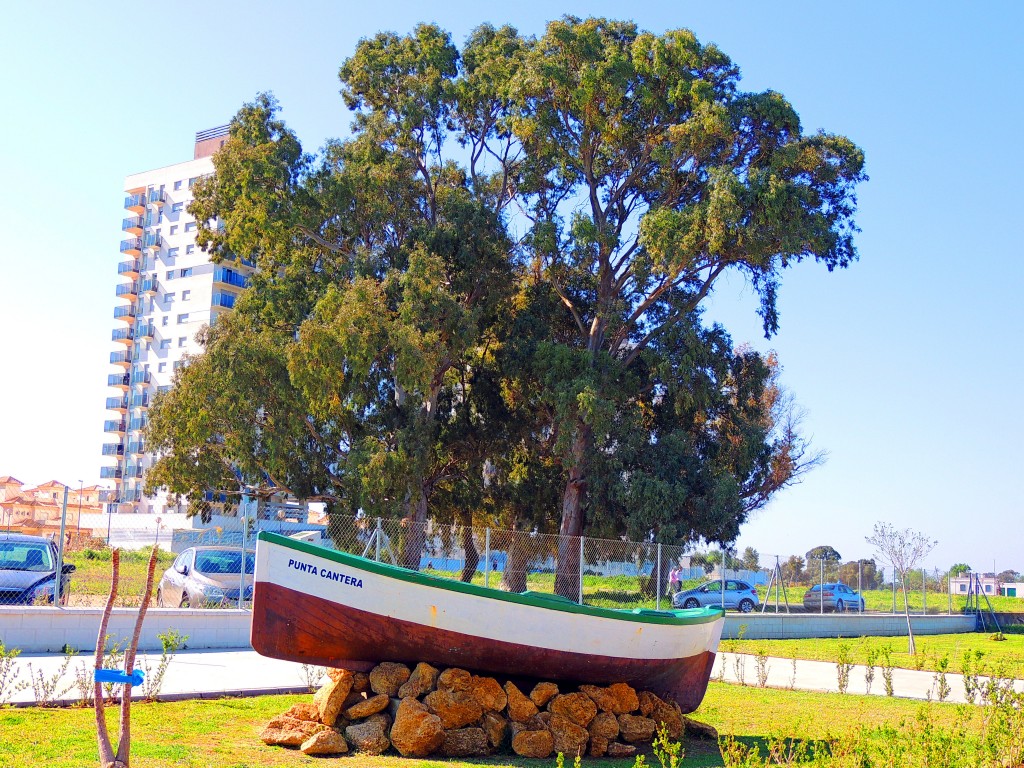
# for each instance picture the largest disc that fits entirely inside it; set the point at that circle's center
(987, 582)
(1012, 589)
(38, 508)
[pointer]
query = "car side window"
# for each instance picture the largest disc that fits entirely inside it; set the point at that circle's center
(181, 560)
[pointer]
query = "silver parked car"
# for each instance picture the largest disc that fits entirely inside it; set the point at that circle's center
(832, 597)
(203, 577)
(738, 594)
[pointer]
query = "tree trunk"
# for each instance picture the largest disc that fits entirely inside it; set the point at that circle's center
(912, 649)
(517, 562)
(472, 560)
(416, 527)
(106, 749)
(567, 575)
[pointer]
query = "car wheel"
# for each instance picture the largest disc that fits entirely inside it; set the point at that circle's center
(840, 607)
(160, 599)
(746, 606)
(691, 602)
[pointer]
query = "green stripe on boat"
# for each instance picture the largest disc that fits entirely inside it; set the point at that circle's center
(537, 599)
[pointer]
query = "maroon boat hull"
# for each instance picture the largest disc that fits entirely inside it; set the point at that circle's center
(292, 625)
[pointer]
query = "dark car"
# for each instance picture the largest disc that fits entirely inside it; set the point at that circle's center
(738, 594)
(28, 572)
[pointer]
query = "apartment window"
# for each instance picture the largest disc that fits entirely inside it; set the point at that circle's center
(172, 252)
(182, 340)
(192, 181)
(190, 227)
(177, 208)
(170, 274)
(177, 185)
(190, 249)
(162, 368)
(183, 318)
(149, 346)
(186, 295)
(164, 320)
(185, 271)
(169, 298)
(963, 587)
(177, 364)
(174, 229)
(160, 217)
(165, 344)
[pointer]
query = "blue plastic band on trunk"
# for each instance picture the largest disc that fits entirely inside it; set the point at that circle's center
(117, 676)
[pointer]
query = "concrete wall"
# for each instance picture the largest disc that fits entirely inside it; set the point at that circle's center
(47, 630)
(783, 626)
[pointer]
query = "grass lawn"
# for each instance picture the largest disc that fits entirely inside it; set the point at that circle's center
(224, 733)
(1006, 656)
(91, 580)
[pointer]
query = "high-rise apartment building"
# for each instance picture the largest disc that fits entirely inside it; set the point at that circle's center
(167, 290)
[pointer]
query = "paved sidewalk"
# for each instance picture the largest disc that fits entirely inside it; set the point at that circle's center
(242, 672)
(823, 676)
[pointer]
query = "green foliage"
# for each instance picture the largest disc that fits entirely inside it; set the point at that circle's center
(487, 301)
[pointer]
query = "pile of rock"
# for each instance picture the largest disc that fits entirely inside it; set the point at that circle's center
(454, 713)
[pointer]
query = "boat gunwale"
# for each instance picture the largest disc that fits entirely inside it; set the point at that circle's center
(683, 617)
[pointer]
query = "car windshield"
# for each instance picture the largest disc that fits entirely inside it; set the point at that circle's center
(216, 561)
(25, 556)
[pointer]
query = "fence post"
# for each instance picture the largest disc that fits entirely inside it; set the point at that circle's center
(860, 584)
(924, 591)
(657, 582)
(894, 589)
(59, 576)
(582, 540)
(821, 585)
(949, 592)
(487, 557)
(377, 539)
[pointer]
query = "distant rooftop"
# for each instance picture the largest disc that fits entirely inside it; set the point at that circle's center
(210, 140)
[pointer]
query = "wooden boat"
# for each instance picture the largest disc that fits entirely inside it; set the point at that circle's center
(317, 606)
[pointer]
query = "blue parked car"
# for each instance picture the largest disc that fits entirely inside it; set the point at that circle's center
(738, 595)
(27, 571)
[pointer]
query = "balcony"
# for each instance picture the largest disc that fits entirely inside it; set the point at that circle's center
(225, 300)
(151, 240)
(117, 404)
(119, 380)
(124, 359)
(136, 203)
(131, 496)
(230, 277)
(127, 314)
(133, 472)
(140, 377)
(128, 291)
(145, 331)
(155, 197)
(132, 246)
(114, 449)
(114, 427)
(138, 423)
(128, 268)
(110, 473)
(149, 286)
(140, 400)
(122, 335)
(137, 448)
(133, 224)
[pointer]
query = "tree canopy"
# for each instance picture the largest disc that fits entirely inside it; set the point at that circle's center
(488, 299)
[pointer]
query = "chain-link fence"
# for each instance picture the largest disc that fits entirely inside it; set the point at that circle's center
(604, 572)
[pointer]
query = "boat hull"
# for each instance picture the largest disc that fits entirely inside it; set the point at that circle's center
(301, 615)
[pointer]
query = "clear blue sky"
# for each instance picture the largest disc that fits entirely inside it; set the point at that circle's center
(909, 363)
